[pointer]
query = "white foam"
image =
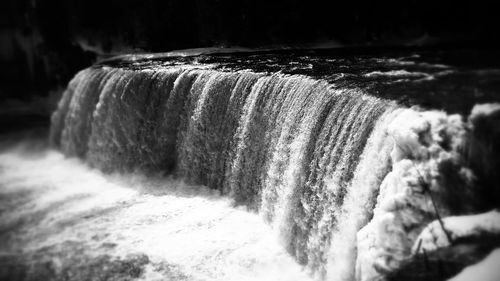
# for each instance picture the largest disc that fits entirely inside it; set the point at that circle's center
(190, 227)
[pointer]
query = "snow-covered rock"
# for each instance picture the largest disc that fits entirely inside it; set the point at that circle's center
(430, 180)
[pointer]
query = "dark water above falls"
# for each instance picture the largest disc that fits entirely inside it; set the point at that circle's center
(305, 140)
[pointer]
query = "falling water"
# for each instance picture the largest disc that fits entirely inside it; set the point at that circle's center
(310, 157)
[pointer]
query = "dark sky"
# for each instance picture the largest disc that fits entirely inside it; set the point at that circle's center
(160, 25)
(41, 40)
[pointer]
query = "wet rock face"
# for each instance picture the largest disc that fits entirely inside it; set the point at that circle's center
(483, 152)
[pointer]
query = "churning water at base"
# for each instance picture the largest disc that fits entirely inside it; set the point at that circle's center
(183, 232)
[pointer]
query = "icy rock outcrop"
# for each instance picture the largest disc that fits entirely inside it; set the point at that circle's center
(414, 193)
(426, 224)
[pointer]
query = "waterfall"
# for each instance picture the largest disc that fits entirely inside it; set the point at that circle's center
(310, 157)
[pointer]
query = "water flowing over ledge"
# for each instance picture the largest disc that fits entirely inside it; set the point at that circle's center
(348, 180)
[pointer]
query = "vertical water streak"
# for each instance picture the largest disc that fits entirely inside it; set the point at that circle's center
(117, 119)
(277, 186)
(336, 182)
(291, 156)
(58, 118)
(171, 112)
(318, 159)
(232, 126)
(204, 137)
(359, 202)
(74, 137)
(334, 159)
(251, 140)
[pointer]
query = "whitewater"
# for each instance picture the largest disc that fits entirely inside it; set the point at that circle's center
(173, 229)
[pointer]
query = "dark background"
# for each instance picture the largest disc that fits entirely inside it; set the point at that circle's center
(44, 42)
